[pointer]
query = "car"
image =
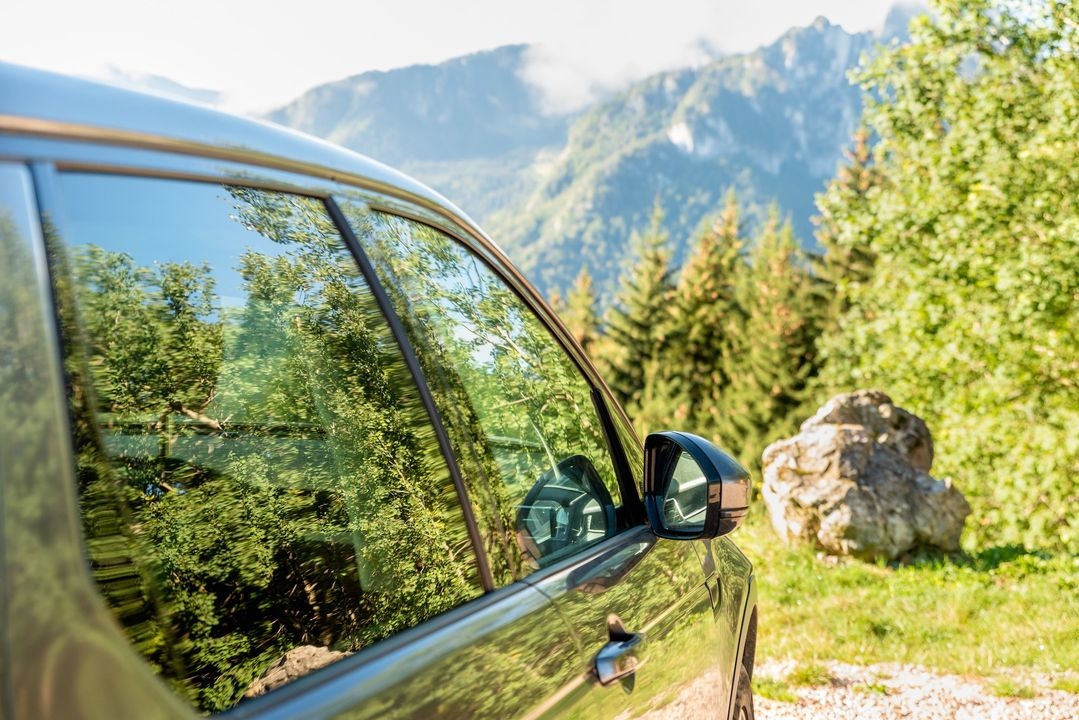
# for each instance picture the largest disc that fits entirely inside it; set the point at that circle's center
(284, 434)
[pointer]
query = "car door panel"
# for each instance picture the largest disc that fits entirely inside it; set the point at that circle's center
(639, 585)
(504, 655)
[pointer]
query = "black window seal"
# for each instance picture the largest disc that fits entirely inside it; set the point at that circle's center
(635, 513)
(413, 363)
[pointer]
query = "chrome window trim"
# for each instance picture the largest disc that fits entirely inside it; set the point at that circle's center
(87, 149)
(91, 149)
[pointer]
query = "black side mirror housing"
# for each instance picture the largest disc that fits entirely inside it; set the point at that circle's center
(692, 489)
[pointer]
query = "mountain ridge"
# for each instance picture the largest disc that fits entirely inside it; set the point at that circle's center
(559, 191)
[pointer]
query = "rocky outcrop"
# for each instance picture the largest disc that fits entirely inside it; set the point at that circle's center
(854, 481)
(296, 663)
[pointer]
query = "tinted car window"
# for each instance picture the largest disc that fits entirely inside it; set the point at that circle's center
(261, 490)
(521, 415)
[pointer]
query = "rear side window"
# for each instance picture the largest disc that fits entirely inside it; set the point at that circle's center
(261, 489)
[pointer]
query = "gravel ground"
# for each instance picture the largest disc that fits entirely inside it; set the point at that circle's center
(880, 692)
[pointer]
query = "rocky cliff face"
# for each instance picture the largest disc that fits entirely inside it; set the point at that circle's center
(472, 107)
(772, 124)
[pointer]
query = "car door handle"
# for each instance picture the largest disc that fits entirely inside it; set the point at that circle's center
(617, 659)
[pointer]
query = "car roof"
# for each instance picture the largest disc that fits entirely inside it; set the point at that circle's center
(44, 104)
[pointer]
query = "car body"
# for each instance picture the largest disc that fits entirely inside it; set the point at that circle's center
(284, 434)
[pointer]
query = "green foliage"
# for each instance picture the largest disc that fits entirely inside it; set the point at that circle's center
(729, 351)
(1067, 684)
(773, 357)
(580, 313)
(708, 321)
(1009, 688)
(633, 355)
(845, 227)
(970, 318)
(809, 674)
(773, 690)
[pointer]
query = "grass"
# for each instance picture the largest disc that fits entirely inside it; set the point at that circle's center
(809, 675)
(1067, 684)
(773, 690)
(1010, 688)
(975, 613)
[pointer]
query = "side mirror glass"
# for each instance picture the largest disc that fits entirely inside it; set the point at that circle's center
(692, 488)
(568, 507)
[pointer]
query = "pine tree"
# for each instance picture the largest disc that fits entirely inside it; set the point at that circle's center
(557, 303)
(707, 316)
(845, 230)
(633, 349)
(773, 357)
(579, 311)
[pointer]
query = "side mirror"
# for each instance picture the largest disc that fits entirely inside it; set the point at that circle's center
(692, 489)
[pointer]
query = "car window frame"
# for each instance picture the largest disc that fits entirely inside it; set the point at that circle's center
(56, 156)
(190, 161)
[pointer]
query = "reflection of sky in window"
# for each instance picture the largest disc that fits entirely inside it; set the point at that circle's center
(158, 221)
(14, 191)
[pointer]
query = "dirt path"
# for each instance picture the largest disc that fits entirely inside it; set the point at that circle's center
(880, 692)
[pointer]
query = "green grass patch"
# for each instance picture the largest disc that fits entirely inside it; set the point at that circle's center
(773, 690)
(1067, 684)
(871, 689)
(1009, 688)
(978, 613)
(809, 674)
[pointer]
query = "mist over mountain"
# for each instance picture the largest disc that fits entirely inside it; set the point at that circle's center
(160, 85)
(561, 190)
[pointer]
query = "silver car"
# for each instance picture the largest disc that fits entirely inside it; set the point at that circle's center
(284, 434)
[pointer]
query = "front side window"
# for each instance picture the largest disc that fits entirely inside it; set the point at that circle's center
(521, 415)
(261, 491)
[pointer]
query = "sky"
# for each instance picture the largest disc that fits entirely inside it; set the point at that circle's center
(261, 55)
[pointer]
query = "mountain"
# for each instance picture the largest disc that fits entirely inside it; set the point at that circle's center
(470, 127)
(771, 124)
(560, 191)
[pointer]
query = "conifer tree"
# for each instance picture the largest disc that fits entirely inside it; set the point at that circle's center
(579, 311)
(707, 318)
(557, 303)
(635, 341)
(774, 357)
(845, 230)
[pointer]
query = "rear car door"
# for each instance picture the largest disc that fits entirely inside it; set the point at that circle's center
(551, 487)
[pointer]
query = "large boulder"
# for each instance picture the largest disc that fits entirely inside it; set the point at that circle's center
(297, 662)
(854, 481)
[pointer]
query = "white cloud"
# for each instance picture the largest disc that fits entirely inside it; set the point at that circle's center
(603, 47)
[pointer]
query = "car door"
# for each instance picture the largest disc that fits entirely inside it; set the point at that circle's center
(550, 486)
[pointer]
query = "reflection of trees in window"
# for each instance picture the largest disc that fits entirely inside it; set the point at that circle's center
(280, 483)
(518, 401)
